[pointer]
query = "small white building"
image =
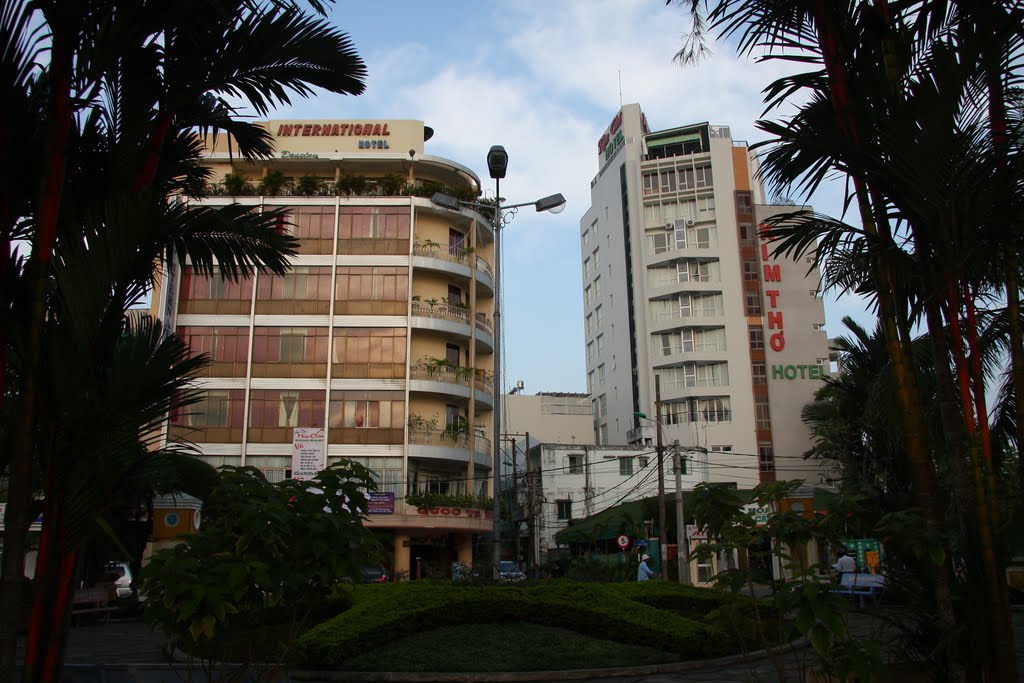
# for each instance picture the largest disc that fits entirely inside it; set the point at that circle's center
(571, 482)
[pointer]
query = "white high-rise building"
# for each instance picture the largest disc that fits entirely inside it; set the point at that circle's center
(680, 289)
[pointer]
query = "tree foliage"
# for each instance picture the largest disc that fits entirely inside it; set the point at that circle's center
(267, 558)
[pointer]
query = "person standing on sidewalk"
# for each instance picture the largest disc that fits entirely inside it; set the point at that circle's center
(643, 572)
(844, 565)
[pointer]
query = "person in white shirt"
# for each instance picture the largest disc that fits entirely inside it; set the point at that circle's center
(643, 572)
(844, 564)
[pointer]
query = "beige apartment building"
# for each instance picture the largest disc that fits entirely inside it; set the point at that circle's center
(680, 289)
(377, 346)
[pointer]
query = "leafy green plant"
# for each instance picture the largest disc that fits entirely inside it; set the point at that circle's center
(268, 556)
(309, 185)
(391, 185)
(273, 183)
(803, 605)
(237, 185)
(349, 185)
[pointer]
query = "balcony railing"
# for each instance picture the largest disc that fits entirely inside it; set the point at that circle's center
(451, 375)
(452, 254)
(442, 310)
(448, 439)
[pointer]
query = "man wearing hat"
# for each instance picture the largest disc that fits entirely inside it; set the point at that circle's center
(643, 572)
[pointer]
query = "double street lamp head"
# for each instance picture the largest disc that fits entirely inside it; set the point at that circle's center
(553, 203)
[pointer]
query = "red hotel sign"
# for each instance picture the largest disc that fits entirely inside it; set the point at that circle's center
(607, 137)
(772, 273)
(332, 129)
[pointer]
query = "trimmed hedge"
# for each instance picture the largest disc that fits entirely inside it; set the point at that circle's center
(618, 612)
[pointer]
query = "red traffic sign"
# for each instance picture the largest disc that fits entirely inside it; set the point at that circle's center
(622, 541)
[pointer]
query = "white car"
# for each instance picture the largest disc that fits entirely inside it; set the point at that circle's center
(123, 582)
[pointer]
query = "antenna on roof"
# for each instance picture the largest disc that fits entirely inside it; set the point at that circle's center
(620, 88)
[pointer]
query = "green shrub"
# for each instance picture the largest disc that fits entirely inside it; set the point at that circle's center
(383, 614)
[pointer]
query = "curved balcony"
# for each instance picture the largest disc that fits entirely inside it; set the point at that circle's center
(440, 316)
(453, 261)
(446, 380)
(443, 444)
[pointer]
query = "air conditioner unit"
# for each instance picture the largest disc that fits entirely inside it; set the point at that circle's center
(691, 222)
(669, 226)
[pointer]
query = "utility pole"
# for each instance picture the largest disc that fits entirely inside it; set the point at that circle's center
(514, 507)
(661, 478)
(682, 538)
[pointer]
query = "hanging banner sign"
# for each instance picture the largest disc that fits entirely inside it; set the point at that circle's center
(307, 452)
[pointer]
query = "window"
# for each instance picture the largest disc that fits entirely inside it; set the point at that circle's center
(366, 414)
(590, 353)
(661, 242)
(750, 270)
(703, 174)
(765, 458)
(289, 416)
(651, 183)
(597, 288)
(452, 354)
(453, 419)
(586, 269)
(626, 466)
(756, 338)
(599, 317)
(600, 375)
(590, 382)
(743, 202)
(686, 179)
(600, 345)
(721, 449)
(564, 509)
(589, 324)
(456, 242)
(585, 237)
(602, 405)
(818, 327)
(668, 180)
(762, 415)
(759, 373)
(753, 304)
(293, 344)
(746, 233)
(602, 435)
(587, 296)
(597, 259)
(454, 295)
(211, 411)
(575, 464)
(642, 461)
(686, 337)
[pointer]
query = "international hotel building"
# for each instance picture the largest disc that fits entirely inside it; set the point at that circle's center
(377, 346)
(679, 285)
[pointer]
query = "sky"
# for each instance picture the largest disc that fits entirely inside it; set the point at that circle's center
(544, 78)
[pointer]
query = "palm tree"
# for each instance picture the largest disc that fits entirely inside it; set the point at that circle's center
(115, 110)
(899, 108)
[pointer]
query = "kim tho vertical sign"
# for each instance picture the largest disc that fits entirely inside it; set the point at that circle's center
(307, 452)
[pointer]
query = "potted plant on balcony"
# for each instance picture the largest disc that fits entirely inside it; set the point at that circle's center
(309, 185)
(236, 185)
(273, 183)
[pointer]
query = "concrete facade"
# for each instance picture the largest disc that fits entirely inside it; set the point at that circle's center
(680, 290)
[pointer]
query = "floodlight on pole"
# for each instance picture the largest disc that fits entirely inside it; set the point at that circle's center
(497, 166)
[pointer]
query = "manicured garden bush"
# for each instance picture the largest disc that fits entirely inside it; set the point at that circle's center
(618, 612)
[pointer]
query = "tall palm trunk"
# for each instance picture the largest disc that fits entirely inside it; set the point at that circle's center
(922, 469)
(19, 503)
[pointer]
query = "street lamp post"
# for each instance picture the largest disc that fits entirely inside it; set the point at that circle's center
(497, 165)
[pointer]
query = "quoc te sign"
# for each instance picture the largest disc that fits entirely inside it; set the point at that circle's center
(456, 512)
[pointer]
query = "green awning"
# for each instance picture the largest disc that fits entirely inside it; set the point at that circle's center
(660, 142)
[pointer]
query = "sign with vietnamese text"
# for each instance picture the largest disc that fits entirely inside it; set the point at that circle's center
(456, 512)
(307, 452)
(381, 503)
(758, 513)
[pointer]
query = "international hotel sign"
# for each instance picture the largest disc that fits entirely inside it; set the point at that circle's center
(321, 139)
